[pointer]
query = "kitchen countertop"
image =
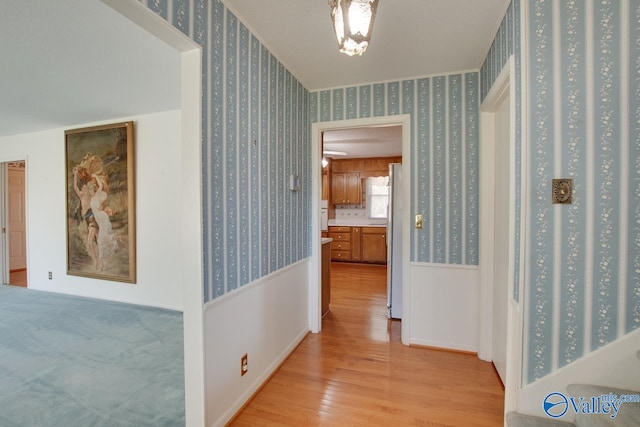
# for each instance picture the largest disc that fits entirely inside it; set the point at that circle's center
(354, 223)
(326, 240)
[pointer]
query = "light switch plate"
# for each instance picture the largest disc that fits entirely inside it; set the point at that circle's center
(561, 191)
(294, 182)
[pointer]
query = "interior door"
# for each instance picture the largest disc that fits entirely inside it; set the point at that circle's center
(16, 219)
(501, 238)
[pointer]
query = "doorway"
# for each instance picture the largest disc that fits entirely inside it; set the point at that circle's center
(501, 319)
(14, 260)
(502, 186)
(361, 181)
(403, 122)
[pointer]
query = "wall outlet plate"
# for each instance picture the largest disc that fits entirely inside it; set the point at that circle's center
(244, 365)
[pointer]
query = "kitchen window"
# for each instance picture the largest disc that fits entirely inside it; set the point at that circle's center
(377, 191)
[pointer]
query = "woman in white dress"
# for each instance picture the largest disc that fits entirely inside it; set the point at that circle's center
(107, 240)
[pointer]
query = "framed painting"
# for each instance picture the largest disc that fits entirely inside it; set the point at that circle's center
(100, 191)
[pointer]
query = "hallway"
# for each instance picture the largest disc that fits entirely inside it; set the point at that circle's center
(356, 372)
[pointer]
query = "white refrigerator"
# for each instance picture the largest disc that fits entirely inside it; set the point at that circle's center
(394, 242)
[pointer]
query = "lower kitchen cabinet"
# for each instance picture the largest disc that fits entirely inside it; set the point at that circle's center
(341, 245)
(374, 244)
(359, 244)
(326, 278)
(356, 244)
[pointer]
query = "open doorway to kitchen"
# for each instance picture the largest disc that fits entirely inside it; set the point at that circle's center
(360, 166)
(14, 223)
(353, 159)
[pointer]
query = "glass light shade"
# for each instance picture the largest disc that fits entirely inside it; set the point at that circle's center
(353, 22)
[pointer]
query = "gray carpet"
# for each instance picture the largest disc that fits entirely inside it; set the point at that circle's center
(71, 361)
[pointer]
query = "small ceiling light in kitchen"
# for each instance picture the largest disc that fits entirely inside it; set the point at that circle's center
(353, 22)
(334, 153)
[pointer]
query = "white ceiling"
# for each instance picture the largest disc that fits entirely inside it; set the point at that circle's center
(70, 62)
(410, 38)
(379, 141)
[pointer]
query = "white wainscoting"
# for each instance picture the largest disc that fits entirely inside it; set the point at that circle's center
(615, 365)
(265, 319)
(445, 306)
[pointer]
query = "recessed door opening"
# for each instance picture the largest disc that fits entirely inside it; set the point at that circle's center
(15, 224)
(502, 318)
(501, 237)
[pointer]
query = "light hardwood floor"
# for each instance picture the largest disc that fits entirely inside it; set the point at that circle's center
(357, 373)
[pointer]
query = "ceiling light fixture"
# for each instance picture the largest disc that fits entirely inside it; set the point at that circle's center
(334, 153)
(353, 22)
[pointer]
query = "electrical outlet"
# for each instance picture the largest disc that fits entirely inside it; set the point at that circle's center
(244, 365)
(50, 275)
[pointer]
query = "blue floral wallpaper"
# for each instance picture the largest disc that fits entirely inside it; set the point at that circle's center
(583, 278)
(255, 135)
(581, 75)
(444, 154)
(506, 44)
(584, 69)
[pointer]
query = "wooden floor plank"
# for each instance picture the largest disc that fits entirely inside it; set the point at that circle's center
(356, 372)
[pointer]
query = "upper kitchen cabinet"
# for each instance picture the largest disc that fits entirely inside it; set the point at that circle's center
(346, 188)
(347, 174)
(325, 186)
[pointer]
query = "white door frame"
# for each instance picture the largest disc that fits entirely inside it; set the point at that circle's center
(315, 271)
(502, 87)
(5, 273)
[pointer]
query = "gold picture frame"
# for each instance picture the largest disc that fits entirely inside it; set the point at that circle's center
(100, 192)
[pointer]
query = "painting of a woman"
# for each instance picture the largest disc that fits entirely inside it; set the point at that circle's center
(100, 226)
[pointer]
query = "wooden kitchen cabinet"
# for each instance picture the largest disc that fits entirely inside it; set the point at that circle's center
(374, 244)
(339, 188)
(325, 186)
(345, 177)
(354, 189)
(359, 244)
(341, 245)
(326, 278)
(369, 167)
(346, 188)
(356, 244)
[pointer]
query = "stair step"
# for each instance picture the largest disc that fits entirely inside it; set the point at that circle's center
(628, 414)
(519, 420)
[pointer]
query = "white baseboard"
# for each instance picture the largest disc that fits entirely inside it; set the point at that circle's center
(260, 381)
(445, 345)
